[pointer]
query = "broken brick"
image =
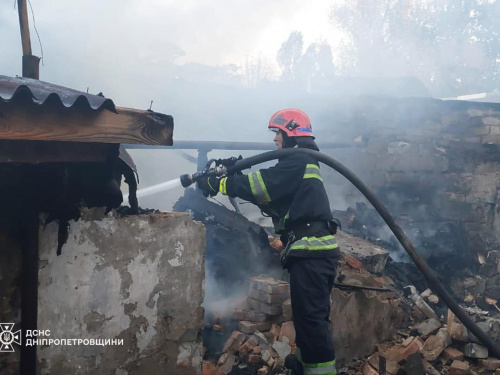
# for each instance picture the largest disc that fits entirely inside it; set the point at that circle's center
(239, 314)
(269, 285)
(217, 328)
(250, 327)
(288, 331)
(459, 368)
(257, 349)
(428, 327)
(398, 352)
(429, 369)
(268, 298)
(263, 370)
(456, 329)
(353, 262)
(407, 341)
(369, 370)
(452, 354)
(266, 308)
(433, 347)
(226, 367)
(275, 330)
(234, 342)
(490, 364)
(458, 332)
(222, 359)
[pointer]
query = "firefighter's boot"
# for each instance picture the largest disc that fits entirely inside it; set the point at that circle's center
(293, 363)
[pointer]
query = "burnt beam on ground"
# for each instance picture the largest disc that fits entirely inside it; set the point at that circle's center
(28, 121)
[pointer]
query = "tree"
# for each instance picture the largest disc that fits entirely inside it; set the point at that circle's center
(306, 68)
(255, 70)
(290, 54)
(453, 46)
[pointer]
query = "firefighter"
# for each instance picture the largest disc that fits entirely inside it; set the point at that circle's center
(293, 194)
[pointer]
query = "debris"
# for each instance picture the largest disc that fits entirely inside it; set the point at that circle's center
(452, 354)
(250, 327)
(427, 328)
(414, 364)
(421, 304)
(282, 348)
(433, 347)
(459, 368)
(473, 350)
(490, 364)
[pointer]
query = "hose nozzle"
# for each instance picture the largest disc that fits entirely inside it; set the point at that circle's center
(187, 180)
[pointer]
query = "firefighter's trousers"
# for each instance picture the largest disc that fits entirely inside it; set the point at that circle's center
(311, 281)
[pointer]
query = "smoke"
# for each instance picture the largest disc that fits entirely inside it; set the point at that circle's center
(222, 73)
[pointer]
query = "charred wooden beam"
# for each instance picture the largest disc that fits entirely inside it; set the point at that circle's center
(28, 121)
(36, 152)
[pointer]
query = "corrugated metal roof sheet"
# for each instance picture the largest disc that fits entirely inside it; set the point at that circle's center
(17, 88)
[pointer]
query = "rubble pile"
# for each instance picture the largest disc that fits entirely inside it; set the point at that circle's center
(431, 347)
(385, 320)
(265, 335)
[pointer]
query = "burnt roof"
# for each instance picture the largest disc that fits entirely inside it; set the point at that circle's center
(13, 89)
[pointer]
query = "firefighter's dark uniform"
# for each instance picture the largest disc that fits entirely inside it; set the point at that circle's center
(292, 192)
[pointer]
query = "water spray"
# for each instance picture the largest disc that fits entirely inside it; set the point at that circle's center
(227, 167)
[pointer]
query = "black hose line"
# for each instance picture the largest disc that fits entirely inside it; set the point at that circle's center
(434, 283)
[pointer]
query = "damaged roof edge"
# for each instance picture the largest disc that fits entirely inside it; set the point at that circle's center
(39, 92)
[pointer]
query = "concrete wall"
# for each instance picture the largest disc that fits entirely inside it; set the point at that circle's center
(138, 279)
(10, 287)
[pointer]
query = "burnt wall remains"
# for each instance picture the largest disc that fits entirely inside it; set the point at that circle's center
(436, 166)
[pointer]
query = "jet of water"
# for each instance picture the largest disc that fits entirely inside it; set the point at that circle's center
(150, 190)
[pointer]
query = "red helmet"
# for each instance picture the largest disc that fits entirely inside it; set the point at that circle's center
(293, 122)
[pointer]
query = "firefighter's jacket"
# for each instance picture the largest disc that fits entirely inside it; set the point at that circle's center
(292, 193)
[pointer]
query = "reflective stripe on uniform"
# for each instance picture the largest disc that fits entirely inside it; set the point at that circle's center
(280, 227)
(222, 186)
(312, 171)
(315, 243)
(258, 187)
(326, 368)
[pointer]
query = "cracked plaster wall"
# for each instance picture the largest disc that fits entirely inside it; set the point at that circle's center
(137, 278)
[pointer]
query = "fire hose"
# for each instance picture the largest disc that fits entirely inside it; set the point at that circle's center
(234, 165)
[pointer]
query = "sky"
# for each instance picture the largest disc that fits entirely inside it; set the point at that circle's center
(115, 36)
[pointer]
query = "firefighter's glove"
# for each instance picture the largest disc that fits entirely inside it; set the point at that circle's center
(209, 186)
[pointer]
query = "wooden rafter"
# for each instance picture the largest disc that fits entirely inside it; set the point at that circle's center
(28, 121)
